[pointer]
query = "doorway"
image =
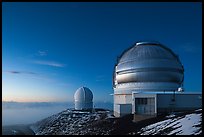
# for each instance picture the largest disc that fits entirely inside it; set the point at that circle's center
(145, 106)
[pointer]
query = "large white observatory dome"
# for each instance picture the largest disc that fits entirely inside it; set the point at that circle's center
(148, 66)
(83, 98)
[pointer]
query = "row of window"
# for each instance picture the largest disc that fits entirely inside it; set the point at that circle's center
(144, 101)
(141, 101)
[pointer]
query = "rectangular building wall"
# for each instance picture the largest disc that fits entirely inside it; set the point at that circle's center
(116, 110)
(125, 109)
(123, 99)
(122, 104)
(122, 109)
(178, 102)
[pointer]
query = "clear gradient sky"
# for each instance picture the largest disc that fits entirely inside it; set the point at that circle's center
(51, 49)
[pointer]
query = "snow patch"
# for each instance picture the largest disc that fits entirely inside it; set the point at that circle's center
(182, 125)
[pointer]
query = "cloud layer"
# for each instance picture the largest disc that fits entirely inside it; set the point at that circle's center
(49, 63)
(21, 72)
(42, 53)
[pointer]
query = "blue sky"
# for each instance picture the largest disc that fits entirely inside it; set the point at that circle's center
(51, 49)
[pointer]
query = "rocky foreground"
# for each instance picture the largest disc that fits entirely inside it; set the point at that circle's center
(72, 122)
(102, 122)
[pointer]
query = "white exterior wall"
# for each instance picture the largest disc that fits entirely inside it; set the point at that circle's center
(122, 109)
(123, 99)
(116, 110)
(122, 104)
(164, 103)
(183, 101)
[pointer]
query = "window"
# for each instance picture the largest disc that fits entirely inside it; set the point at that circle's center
(141, 101)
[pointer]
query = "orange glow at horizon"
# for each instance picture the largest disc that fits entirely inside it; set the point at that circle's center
(29, 99)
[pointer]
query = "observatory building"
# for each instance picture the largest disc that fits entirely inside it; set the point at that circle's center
(83, 99)
(148, 79)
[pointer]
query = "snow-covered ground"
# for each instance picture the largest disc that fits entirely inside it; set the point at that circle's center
(189, 124)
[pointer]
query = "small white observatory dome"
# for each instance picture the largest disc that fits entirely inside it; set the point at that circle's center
(83, 98)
